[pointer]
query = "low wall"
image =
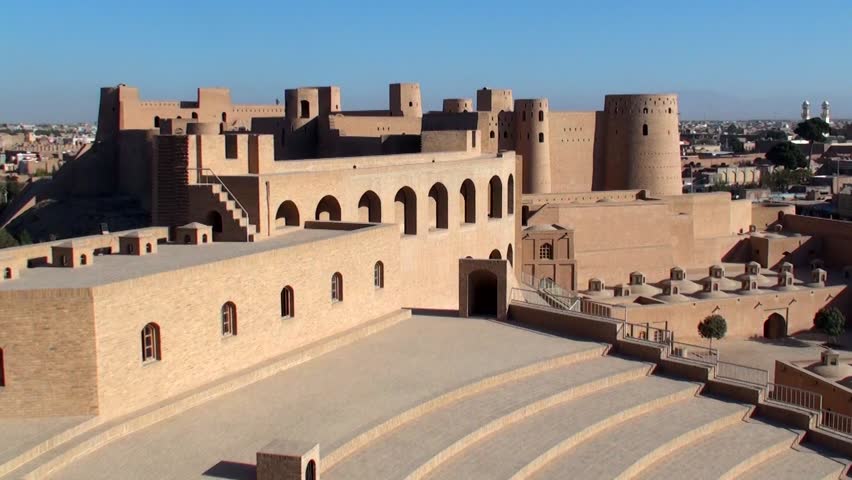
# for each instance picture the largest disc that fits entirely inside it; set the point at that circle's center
(835, 397)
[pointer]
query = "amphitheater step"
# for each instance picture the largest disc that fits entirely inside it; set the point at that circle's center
(801, 463)
(416, 443)
(623, 451)
(731, 451)
(519, 445)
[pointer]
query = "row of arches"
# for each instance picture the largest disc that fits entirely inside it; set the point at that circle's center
(405, 206)
(496, 255)
(150, 335)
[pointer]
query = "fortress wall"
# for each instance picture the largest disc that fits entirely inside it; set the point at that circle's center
(374, 126)
(836, 236)
(135, 151)
(584, 197)
(194, 351)
(425, 256)
(532, 142)
(572, 150)
(712, 213)
(764, 214)
(49, 353)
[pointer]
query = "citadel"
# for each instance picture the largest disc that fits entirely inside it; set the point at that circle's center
(493, 290)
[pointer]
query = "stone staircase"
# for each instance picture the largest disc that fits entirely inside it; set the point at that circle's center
(236, 225)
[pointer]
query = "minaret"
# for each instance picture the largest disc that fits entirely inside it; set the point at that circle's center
(826, 112)
(806, 110)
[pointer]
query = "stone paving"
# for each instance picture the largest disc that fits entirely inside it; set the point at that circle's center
(21, 434)
(797, 464)
(327, 400)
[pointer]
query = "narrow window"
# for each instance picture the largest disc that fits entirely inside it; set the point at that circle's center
(541, 115)
(287, 302)
(645, 129)
(229, 319)
(148, 248)
(311, 471)
(379, 275)
(195, 115)
(157, 122)
(337, 287)
(204, 238)
(645, 110)
(151, 343)
(524, 116)
(224, 117)
(2, 370)
(305, 108)
(83, 259)
(491, 134)
(505, 134)
(541, 138)
(545, 251)
(7, 273)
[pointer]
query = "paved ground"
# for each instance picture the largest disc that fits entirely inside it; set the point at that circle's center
(19, 435)
(328, 400)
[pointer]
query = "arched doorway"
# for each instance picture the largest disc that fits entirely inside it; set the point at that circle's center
(328, 208)
(370, 208)
(482, 293)
(287, 215)
(214, 219)
(775, 326)
(311, 471)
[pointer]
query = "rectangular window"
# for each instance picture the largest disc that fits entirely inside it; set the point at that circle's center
(231, 146)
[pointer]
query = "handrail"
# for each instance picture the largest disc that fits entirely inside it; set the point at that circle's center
(231, 195)
(556, 301)
(794, 396)
(742, 373)
(836, 422)
(696, 353)
(646, 332)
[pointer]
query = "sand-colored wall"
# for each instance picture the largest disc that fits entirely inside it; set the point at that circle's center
(835, 235)
(573, 146)
(835, 397)
(764, 215)
(48, 342)
(194, 351)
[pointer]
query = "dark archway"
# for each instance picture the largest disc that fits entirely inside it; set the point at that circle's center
(370, 208)
(311, 471)
(468, 201)
(214, 219)
(495, 255)
(328, 209)
(287, 215)
(482, 293)
(438, 211)
(495, 197)
(775, 327)
(510, 255)
(510, 195)
(405, 203)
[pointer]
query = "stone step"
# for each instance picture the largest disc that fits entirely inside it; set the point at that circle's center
(623, 451)
(798, 464)
(725, 454)
(417, 443)
(543, 436)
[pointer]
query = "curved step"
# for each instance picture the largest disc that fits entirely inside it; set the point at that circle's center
(416, 447)
(559, 428)
(350, 446)
(734, 451)
(796, 464)
(622, 451)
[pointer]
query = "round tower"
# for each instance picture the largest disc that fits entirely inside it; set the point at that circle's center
(806, 110)
(643, 143)
(405, 100)
(457, 105)
(826, 112)
(532, 142)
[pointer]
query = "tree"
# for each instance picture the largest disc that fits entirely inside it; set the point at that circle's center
(6, 239)
(24, 238)
(812, 130)
(831, 321)
(713, 326)
(774, 135)
(787, 155)
(736, 145)
(781, 180)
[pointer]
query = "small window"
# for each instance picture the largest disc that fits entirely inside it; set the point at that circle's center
(337, 287)
(195, 115)
(83, 259)
(541, 115)
(524, 116)
(229, 319)
(545, 251)
(491, 134)
(645, 129)
(541, 138)
(305, 109)
(64, 259)
(2, 370)
(187, 239)
(379, 275)
(505, 134)
(7, 273)
(157, 122)
(645, 110)
(204, 238)
(231, 147)
(288, 302)
(151, 343)
(410, 104)
(148, 248)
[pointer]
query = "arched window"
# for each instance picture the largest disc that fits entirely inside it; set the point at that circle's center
(468, 201)
(491, 134)
(438, 210)
(288, 302)
(510, 195)
(151, 343)
(83, 259)
(541, 115)
(405, 202)
(495, 197)
(379, 275)
(328, 208)
(645, 110)
(203, 238)
(510, 255)
(541, 138)
(370, 207)
(229, 319)
(645, 129)
(305, 109)
(495, 255)
(287, 215)
(157, 122)
(195, 115)
(148, 248)
(311, 469)
(545, 251)
(337, 287)
(7, 273)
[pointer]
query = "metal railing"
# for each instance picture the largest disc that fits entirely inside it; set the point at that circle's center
(538, 297)
(696, 353)
(836, 422)
(647, 333)
(794, 396)
(742, 373)
(545, 284)
(202, 179)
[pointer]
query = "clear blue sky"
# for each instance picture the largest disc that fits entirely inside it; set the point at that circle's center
(727, 59)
